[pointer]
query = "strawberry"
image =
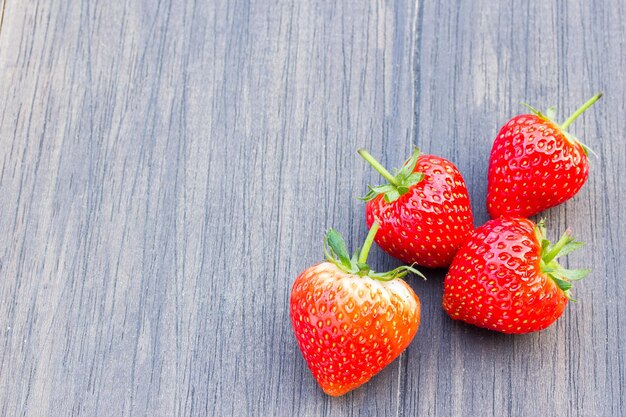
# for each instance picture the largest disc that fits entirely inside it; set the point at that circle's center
(506, 277)
(424, 211)
(350, 322)
(535, 164)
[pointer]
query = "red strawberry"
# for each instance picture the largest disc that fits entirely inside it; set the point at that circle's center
(506, 277)
(535, 164)
(424, 211)
(351, 322)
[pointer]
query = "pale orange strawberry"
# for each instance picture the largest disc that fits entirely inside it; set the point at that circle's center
(350, 322)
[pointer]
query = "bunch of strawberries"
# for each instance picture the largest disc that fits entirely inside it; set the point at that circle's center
(350, 321)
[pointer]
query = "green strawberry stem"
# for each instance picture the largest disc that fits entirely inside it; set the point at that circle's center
(556, 249)
(368, 243)
(399, 183)
(337, 253)
(378, 166)
(580, 111)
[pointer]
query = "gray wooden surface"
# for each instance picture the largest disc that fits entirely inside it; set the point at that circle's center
(167, 168)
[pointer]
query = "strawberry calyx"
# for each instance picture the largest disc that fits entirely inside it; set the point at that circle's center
(399, 183)
(561, 276)
(337, 253)
(550, 115)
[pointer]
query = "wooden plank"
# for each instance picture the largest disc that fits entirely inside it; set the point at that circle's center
(167, 169)
(477, 61)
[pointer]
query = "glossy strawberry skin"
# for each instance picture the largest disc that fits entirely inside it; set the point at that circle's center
(495, 280)
(350, 327)
(427, 225)
(533, 166)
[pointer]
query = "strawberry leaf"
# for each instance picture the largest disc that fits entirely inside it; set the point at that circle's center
(570, 247)
(338, 248)
(565, 286)
(574, 274)
(533, 110)
(399, 272)
(337, 253)
(409, 166)
(562, 284)
(562, 277)
(392, 195)
(415, 177)
(399, 183)
(355, 256)
(363, 268)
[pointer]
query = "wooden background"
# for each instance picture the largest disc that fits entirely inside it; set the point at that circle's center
(167, 168)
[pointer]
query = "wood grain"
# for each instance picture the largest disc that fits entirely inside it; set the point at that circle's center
(168, 168)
